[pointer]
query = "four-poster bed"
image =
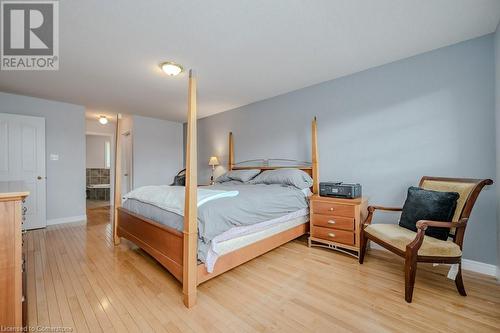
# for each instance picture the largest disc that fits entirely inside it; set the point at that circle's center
(177, 251)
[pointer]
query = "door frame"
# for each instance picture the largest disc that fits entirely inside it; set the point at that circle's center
(112, 165)
(130, 158)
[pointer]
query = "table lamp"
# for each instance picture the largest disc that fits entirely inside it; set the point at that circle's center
(213, 161)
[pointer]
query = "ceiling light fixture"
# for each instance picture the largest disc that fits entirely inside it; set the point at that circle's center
(103, 120)
(171, 68)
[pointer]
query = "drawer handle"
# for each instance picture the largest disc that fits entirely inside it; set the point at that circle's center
(331, 234)
(331, 222)
(331, 209)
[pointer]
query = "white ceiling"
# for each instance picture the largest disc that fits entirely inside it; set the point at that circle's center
(243, 51)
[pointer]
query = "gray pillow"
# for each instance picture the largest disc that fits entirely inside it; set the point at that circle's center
(239, 175)
(285, 176)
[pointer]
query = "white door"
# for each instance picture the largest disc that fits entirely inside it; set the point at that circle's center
(126, 163)
(22, 157)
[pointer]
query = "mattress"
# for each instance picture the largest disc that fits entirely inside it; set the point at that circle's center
(165, 217)
(253, 203)
(172, 220)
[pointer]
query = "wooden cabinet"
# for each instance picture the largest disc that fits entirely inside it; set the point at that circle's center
(335, 223)
(12, 274)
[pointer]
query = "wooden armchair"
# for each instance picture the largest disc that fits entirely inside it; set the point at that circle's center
(415, 246)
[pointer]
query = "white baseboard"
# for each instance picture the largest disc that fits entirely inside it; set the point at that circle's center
(467, 264)
(479, 267)
(70, 219)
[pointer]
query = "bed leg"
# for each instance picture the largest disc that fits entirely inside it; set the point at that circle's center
(116, 238)
(190, 300)
(190, 269)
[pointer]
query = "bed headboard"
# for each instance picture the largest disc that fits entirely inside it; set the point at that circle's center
(272, 164)
(310, 168)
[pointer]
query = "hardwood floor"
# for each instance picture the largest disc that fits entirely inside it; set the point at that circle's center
(78, 279)
(92, 204)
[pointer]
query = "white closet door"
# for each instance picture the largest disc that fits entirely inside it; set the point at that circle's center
(22, 157)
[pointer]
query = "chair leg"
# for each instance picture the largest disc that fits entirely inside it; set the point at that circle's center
(410, 273)
(459, 282)
(362, 246)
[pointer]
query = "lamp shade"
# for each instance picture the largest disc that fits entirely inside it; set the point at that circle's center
(213, 161)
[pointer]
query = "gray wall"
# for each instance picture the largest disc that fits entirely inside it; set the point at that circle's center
(157, 150)
(497, 108)
(432, 114)
(95, 147)
(65, 136)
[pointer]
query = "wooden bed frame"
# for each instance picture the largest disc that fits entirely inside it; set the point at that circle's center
(177, 251)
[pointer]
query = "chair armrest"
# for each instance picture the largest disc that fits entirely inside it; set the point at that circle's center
(424, 224)
(390, 209)
(372, 209)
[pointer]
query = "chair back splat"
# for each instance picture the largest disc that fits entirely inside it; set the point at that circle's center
(467, 188)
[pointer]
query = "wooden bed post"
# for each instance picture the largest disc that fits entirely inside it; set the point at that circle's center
(190, 239)
(231, 152)
(118, 172)
(315, 157)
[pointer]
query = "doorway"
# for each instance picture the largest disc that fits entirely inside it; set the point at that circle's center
(22, 158)
(98, 170)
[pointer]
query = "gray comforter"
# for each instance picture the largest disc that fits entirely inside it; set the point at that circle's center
(253, 204)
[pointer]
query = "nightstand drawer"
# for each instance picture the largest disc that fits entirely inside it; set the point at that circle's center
(331, 221)
(320, 207)
(333, 235)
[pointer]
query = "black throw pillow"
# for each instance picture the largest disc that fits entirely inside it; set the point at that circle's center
(423, 204)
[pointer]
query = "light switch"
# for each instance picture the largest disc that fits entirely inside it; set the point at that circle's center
(54, 157)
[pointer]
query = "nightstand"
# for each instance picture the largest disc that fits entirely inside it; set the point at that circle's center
(335, 223)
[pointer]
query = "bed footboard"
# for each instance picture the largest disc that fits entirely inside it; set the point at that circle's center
(161, 242)
(249, 252)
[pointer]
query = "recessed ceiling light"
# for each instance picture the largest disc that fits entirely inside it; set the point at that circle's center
(103, 120)
(171, 68)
